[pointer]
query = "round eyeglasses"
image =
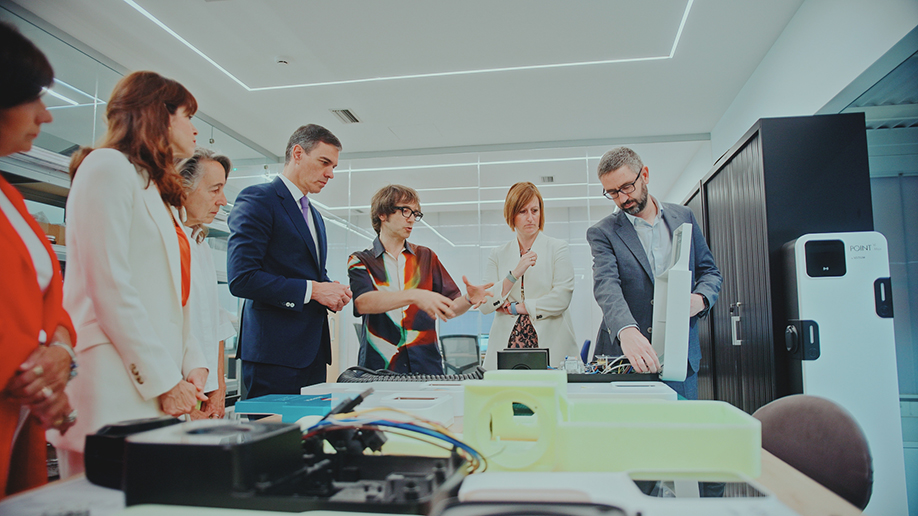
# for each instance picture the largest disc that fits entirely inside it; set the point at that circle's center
(408, 212)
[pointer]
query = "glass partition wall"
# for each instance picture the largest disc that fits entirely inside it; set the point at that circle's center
(77, 102)
(462, 198)
(462, 194)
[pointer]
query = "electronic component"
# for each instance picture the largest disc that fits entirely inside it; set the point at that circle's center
(272, 466)
(362, 374)
(104, 453)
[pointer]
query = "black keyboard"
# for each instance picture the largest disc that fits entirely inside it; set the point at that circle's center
(359, 374)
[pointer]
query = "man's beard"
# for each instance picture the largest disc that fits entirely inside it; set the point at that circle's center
(638, 205)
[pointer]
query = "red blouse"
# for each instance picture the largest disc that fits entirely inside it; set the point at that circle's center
(185, 251)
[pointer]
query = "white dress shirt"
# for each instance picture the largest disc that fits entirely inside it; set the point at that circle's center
(210, 324)
(655, 238)
(297, 195)
(40, 258)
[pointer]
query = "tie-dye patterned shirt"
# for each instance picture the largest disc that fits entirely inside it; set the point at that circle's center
(403, 340)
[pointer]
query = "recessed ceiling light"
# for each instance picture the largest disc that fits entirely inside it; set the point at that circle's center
(346, 116)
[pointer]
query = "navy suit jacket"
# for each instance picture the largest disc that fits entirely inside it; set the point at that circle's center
(623, 281)
(270, 256)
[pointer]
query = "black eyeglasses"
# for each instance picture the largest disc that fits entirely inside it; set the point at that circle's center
(627, 189)
(408, 212)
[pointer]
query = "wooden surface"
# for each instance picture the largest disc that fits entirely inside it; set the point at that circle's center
(799, 492)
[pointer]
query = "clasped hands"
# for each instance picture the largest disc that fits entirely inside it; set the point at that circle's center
(184, 397)
(39, 382)
(332, 294)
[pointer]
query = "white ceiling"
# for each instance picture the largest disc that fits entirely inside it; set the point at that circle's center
(432, 81)
(721, 44)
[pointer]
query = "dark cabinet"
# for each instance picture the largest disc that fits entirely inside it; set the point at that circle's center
(785, 178)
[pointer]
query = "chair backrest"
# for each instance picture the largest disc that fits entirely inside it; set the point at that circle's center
(821, 440)
(586, 352)
(460, 353)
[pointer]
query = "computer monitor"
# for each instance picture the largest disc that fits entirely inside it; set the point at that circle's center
(671, 306)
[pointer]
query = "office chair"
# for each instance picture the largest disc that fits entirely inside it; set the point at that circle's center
(460, 353)
(821, 440)
(587, 351)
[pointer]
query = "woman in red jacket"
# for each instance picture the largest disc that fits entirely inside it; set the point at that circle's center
(36, 334)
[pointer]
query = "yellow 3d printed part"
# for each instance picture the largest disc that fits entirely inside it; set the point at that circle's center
(523, 421)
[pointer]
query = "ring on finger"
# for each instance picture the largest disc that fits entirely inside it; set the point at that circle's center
(71, 417)
(38, 370)
(58, 422)
(46, 392)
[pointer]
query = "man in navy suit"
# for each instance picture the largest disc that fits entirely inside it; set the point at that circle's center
(276, 262)
(629, 248)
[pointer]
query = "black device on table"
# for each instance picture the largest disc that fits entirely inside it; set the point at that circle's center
(270, 466)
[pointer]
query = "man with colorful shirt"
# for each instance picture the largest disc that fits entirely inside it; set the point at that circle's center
(401, 289)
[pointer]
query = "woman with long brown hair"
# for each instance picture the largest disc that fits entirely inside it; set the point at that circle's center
(128, 266)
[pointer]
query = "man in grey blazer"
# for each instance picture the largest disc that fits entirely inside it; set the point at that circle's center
(629, 248)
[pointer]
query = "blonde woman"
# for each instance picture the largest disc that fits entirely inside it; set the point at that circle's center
(533, 283)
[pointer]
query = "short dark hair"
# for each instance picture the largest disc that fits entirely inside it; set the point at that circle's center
(385, 200)
(307, 137)
(24, 70)
(618, 158)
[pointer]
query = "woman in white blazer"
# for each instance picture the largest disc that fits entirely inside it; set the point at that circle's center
(128, 266)
(533, 283)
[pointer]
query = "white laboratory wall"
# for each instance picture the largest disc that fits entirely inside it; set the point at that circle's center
(826, 46)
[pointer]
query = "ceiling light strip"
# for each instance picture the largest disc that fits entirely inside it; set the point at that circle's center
(347, 227)
(81, 92)
(468, 203)
(62, 97)
(688, 7)
(469, 164)
(68, 107)
(338, 221)
(424, 222)
(439, 165)
(182, 40)
(458, 73)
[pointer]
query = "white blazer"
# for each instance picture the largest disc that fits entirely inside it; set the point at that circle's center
(549, 288)
(122, 288)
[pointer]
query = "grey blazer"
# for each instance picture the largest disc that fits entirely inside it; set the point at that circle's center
(623, 281)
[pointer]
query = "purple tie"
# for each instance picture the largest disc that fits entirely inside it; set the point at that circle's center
(304, 203)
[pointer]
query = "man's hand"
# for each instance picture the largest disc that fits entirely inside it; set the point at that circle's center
(477, 293)
(181, 399)
(696, 305)
(435, 304)
(333, 295)
(526, 261)
(639, 351)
